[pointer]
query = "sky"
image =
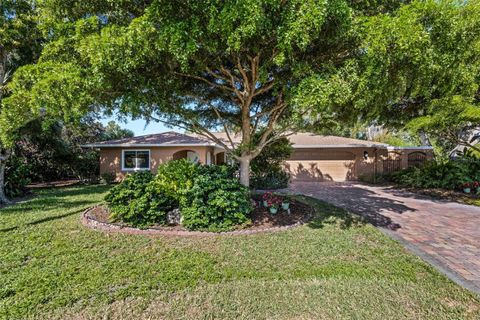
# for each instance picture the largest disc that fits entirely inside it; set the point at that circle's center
(138, 126)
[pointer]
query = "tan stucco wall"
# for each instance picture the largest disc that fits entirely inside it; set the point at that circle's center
(330, 164)
(110, 158)
(344, 164)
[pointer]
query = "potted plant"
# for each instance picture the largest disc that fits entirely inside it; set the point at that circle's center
(265, 198)
(285, 205)
(273, 204)
(467, 187)
(476, 186)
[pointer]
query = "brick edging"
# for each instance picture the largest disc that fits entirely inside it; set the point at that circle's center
(90, 222)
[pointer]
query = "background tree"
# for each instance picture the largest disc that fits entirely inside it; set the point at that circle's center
(52, 150)
(19, 45)
(113, 131)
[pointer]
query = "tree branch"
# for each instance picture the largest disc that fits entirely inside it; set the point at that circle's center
(213, 84)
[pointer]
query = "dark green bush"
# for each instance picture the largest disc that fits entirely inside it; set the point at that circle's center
(277, 179)
(446, 175)
(108, 177)
(216, 201)
(209, 197)
(16, 177)
(267, 171)
(132, 201)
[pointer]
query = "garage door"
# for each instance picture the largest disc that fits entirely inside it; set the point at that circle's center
(321, 165)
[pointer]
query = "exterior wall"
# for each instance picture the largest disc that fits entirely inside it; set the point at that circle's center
(315, 164)
(331, 164)
(111, 158)
(401, 157)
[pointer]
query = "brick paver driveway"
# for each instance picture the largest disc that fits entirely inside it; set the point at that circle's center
(446, 234)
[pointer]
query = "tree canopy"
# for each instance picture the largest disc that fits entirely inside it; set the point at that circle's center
(20, 43)
(269, 66)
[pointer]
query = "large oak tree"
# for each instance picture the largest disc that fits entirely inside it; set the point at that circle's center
(247, 67)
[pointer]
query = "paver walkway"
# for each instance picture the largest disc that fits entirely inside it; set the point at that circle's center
(446, 234)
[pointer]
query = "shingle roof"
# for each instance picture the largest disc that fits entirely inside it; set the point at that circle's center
(299, 140)
(304, 140)
(160, 139)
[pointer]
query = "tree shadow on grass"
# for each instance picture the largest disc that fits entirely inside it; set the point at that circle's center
(43, 220)
(326, 214)
(55, 199)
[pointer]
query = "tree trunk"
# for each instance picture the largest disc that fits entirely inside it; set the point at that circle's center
(245, 171)
(3, 197)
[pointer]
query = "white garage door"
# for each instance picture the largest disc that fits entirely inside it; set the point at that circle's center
(321, 165)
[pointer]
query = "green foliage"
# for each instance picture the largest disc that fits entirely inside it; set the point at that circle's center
(208, 197)
(16, 176)
(277, 179)
(450, 174)
(267, 172)
(113, 131)
(129, 201)
(332, 268)
(108, 177)
(216, 201)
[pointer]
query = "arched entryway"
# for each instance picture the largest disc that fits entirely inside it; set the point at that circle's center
(416, 159)
(187, 154)
(220, 158)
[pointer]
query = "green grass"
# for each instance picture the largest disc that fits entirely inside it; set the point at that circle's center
(53, 267)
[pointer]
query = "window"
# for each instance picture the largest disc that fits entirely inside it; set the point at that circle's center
(133, 160)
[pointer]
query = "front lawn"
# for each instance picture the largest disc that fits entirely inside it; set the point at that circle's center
(51, 266)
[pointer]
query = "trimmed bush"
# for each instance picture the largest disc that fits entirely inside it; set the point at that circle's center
(136, 202)
(209, 197)
(216, 201)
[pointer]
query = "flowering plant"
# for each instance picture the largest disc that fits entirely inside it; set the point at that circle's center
(466, 185)
(266, 196)
(476, 184)
(274, 202)
(271, 200)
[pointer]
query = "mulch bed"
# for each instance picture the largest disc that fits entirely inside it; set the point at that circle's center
(449, 195)
(262, 218)
(262, 221)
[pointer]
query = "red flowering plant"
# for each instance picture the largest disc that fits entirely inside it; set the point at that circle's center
(271, 200)
(266, 196)
(476, 184)
(274, 202)
(466, 185)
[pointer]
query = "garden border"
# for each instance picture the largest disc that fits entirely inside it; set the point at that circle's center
(88, 221)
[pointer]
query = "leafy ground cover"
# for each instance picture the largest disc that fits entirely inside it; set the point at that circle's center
(335, 267)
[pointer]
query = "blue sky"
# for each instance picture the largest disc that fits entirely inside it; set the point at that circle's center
(138, 126)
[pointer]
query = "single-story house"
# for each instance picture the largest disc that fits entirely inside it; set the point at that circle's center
(315, 157)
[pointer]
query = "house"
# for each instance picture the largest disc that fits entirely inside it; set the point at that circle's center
(315, 157)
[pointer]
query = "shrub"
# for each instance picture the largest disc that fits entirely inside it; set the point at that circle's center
(132, 201)
(216, 201)
(16, 177)
(267, 171)
(450, 174)
(175, 178)
(108, 177)
(209, 197)
(272, 180)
